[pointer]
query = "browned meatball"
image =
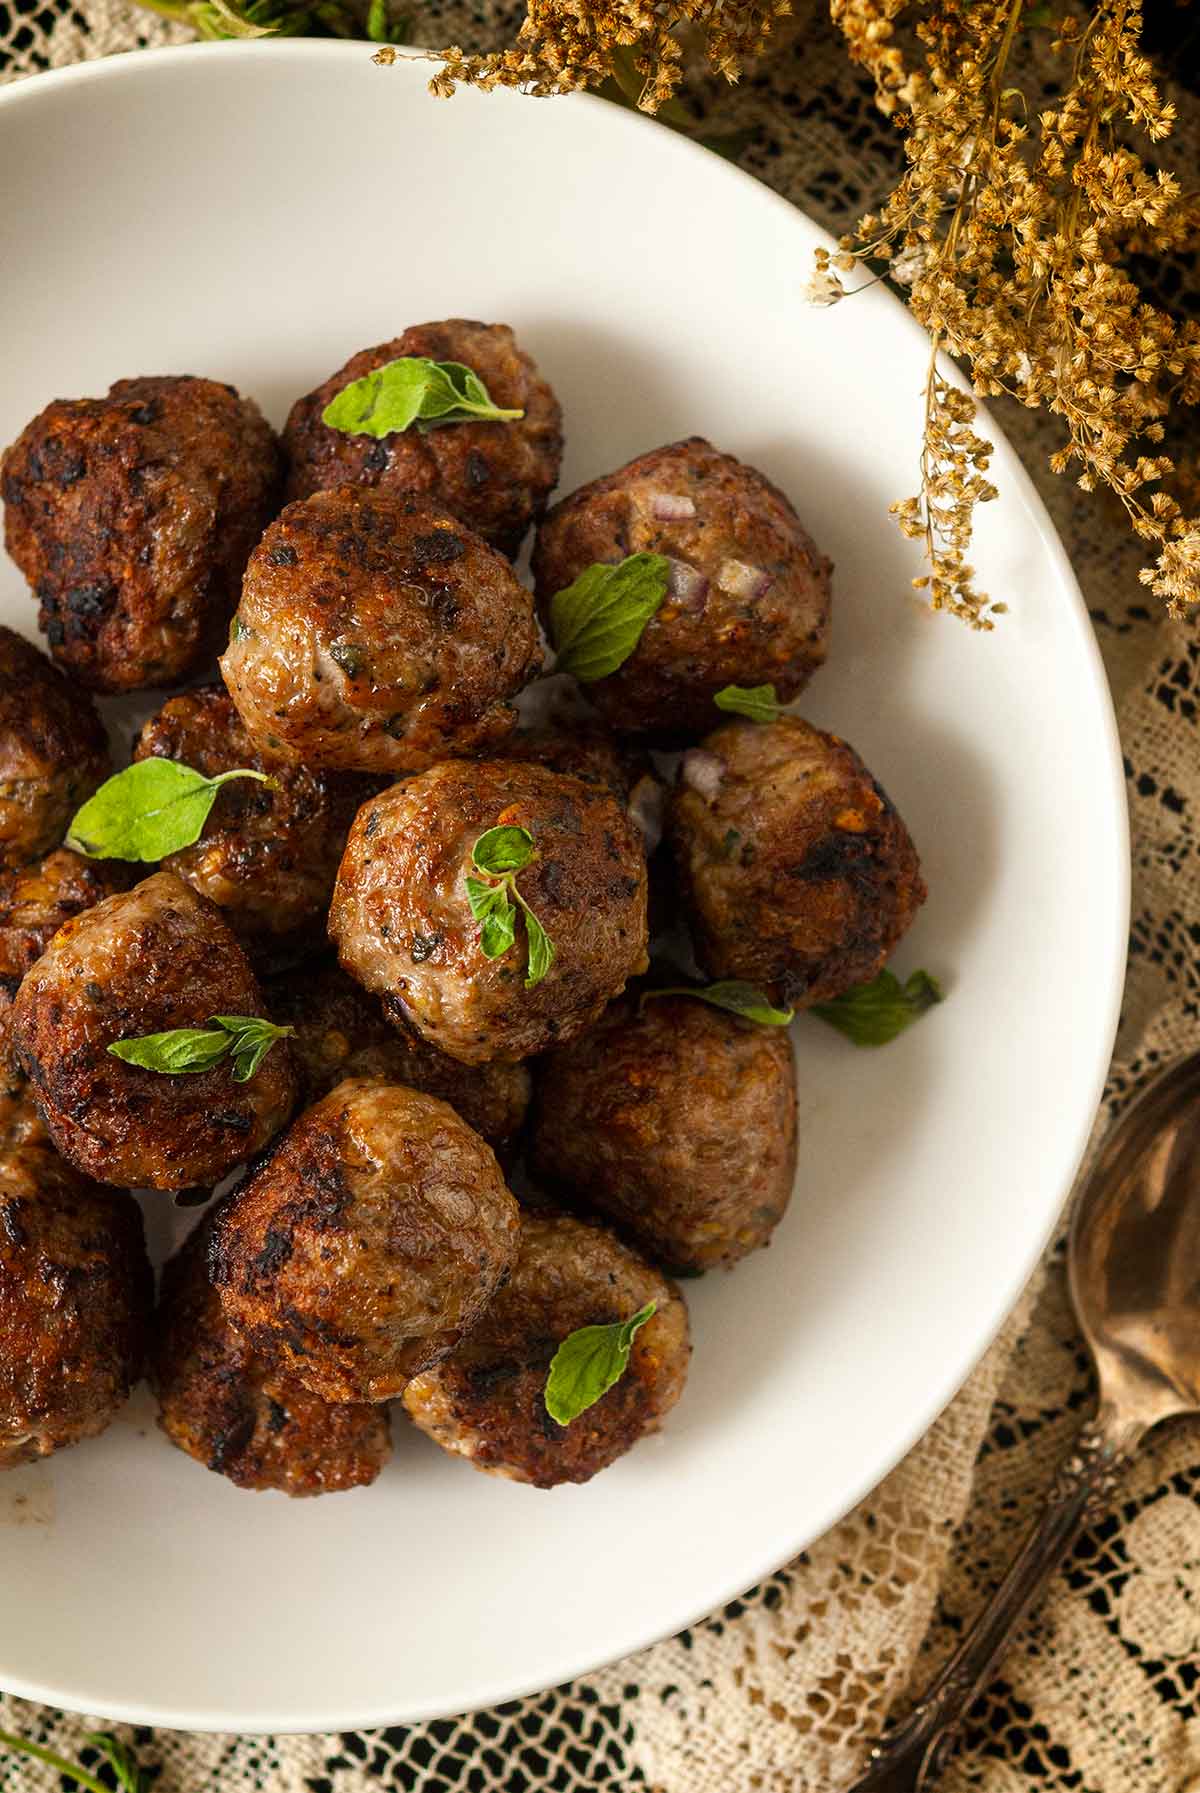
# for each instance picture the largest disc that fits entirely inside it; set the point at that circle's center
(75, 1297)
(53, 751)
(267, 857)
(342, 1032)
(796, 871)
(495, 477)
(132, 516)
(486, 1401)
(678, 1124)
(223, 1405)
(748, 602)
(37, 899)
(379, 634)
(372, 1238)
(403, 925)
(590, 752)
(150, 959)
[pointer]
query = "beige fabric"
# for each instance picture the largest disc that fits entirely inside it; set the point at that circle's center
(783, 1690)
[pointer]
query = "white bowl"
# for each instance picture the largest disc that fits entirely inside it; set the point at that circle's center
(256, 213)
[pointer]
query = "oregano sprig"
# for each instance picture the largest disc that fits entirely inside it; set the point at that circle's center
(149, 810)
(498, 855)
(588, 1362)
(181, 1051)
(413, 390)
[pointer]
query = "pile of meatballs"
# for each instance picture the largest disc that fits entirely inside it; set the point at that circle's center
(365, 1254)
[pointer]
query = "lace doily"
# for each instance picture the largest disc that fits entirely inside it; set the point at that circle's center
(782, 1691)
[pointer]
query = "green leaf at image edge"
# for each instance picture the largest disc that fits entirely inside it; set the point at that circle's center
(597, 621)
(588, 1362)
(878, 1012)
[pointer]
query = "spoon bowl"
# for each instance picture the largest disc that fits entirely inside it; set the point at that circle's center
(1134, 1272)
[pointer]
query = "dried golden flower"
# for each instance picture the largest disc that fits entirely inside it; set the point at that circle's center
(1011, 228)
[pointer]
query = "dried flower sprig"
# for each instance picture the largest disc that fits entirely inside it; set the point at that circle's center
(1010, 227)
(564, 45)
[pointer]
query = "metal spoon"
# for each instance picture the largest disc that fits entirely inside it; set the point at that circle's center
(1134, 1264)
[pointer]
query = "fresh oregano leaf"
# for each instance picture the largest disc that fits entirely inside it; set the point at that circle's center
(496, 915)
(413, 390)
(149, 810)
(186, 1050)
(758, 702)
(503, 850)
(876, 1012)
(588, 1362)
(597, 620)
(732, 994)
(500, 853)
(541, 949)
(251, 1039)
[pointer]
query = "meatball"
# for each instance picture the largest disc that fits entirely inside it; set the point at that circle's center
(145, 961)
(403, 925)
(748, 602)
(677, 1124)
(342, 1032)
(53, 751)
(75, 1297)
(796, 872)
(587, 751)
(267, 857)
(486, 1401)
(223, 1405)
(132, 516)
(37, 899)
(368, 1243)
(495, 477)
(375, 633)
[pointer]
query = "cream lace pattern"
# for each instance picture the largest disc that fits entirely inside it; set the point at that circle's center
(782, 1691)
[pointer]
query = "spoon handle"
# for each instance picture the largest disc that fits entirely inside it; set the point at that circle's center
(911, 1755)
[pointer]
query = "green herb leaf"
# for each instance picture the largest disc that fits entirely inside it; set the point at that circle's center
(732, 994)
(588, 1362)
(503, 850)
(411, 390)
(377, 22)
(541, 948)
(178, 1051)
(500, 854)
(597, 621)
(496, 915)
(25, 1746)
(122, 1761)
(758, 702)
(187, 1050)
(876, 1012)
(149, 810)
(251, 1039)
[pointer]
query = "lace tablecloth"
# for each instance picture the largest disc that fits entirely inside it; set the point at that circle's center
(781, 1690)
